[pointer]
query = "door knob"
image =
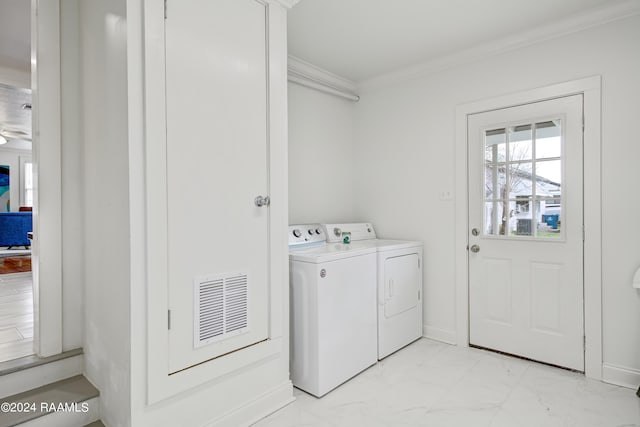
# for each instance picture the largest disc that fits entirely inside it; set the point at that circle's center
(475, 249)
(262, 201)
(475, 232)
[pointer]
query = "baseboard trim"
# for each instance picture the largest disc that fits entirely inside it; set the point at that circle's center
(260, 407)
(619, 375)
(439, 334)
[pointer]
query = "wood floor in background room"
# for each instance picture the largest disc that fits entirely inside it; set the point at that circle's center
(433, 384)
(16, 316)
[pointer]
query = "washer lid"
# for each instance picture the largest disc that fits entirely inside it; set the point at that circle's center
(329, 252)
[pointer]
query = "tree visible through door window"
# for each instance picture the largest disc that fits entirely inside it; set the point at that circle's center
(523, 180)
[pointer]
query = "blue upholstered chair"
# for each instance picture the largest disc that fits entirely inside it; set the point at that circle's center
(14, 227)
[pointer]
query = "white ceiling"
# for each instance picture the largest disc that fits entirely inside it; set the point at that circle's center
(15, 34)
(362, 39)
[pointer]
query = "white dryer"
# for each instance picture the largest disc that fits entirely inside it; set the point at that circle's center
(399, 283)
(333, 310)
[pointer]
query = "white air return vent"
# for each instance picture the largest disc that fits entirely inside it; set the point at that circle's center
(221, 308)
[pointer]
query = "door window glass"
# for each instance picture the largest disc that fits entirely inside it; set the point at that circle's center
(523, 180)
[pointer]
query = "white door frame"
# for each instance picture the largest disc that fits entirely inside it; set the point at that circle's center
(590, 87)
(47, 212)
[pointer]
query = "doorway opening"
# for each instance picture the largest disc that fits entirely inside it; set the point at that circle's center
(16, 183)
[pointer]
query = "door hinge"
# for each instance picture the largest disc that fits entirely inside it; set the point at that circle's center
(583, 233)
(165, 9)
(418, 263)
(582, 122)
(168, 319)
(418, 295)
(584, 341)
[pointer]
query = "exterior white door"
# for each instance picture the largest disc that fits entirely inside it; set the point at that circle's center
(526, 231)
(218, 240)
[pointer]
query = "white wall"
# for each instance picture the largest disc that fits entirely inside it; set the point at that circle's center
(321, 157)
(103, 118)
(405, 136)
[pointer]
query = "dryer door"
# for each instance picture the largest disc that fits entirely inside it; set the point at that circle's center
(401, 281)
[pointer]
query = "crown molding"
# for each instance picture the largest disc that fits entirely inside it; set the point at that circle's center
(288, 3)
(592, 18)
(303, 72)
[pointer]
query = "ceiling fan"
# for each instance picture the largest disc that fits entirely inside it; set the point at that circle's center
(7, 133)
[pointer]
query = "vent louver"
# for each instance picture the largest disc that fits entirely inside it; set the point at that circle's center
(221, 308)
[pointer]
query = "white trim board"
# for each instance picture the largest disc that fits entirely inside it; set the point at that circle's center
(47, 158)
(288, 3)
(590, 87)
(259, 408)
(307, 74)
(618, 375)
(589, 19)
(438, 334)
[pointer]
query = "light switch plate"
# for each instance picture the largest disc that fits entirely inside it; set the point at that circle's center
(446, 195)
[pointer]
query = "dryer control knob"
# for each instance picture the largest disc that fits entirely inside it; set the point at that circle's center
(297, 233)
(318, 231)
(310, 232)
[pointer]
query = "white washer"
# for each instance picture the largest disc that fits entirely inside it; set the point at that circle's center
(333, 310)
(399, 283)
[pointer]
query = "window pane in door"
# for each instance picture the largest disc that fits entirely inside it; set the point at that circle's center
(548, 139)
(494, 158)
(549, 173)
(523, 180)
(492, 187)
(520, 144)
(520, 180)
(496, 218)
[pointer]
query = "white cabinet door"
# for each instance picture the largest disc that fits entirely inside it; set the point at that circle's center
(526, 241)
(217, 163)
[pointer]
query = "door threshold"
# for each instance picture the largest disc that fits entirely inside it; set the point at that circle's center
(525, 358)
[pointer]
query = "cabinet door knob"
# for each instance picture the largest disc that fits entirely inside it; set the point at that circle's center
(261, 201)
(475, 249)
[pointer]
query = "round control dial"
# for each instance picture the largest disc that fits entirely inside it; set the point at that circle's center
(297, 233)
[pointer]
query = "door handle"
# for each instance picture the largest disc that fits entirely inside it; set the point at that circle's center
(475, 249)
(262, 201)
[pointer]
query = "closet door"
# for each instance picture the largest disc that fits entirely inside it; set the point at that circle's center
(217, 164)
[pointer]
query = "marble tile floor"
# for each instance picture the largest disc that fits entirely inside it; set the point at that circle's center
(433, 384)
(16, 316)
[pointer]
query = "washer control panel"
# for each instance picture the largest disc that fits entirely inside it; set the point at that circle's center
(355, 231)
(305, 234)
